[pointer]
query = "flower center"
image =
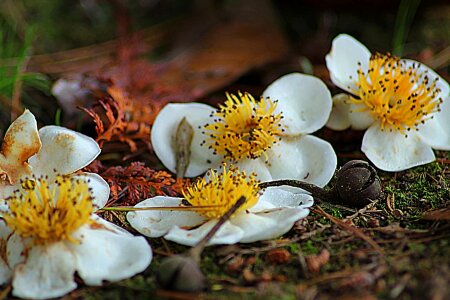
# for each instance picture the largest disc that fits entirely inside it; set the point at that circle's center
(222, 191)
(49, 214)
(400, 97)
(244, 128)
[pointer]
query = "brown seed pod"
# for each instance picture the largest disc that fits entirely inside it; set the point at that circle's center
(357, 183)
(181, 273)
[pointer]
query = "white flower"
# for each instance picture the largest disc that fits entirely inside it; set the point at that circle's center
(265, 215)
(269, 137)
(27, 152)
(404, 105)
(49, 232)
(70, 93)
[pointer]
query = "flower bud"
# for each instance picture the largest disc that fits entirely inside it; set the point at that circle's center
(357, 183)
(181, 273)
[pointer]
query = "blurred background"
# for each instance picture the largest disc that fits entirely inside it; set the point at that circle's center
(175, 50)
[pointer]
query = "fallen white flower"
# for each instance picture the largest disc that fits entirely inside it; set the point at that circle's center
(29, 153)
(50, 232)
(269, 136)
(265, 215)
(403, 104)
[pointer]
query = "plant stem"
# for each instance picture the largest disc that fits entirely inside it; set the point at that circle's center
(197, 250)
(316, 191)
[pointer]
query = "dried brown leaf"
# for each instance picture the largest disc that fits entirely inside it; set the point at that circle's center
(437, 215)
(315, 262)
(278, 256)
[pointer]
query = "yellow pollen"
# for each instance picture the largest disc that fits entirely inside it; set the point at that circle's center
(400, 97)
(244, 128)
(221, 191)
(50, 214)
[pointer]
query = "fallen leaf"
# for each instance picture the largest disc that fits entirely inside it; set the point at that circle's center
(278, 256)
(183, 139)
(437, 215)
(315, 262)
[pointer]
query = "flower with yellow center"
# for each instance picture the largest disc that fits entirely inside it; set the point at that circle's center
(29, 152)
(266, 214)
(269, 136)
(244, 128)
(222, 191)
(48, 215)
(404, 105)
(49, 232)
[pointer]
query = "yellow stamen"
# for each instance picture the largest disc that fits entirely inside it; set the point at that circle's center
(221, 191)
(244, 128)
(399, 97)
(50, 214)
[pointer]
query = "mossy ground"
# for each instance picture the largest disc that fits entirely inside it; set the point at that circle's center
(414, 263)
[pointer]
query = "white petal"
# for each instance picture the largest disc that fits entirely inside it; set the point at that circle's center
(15, 252)
(107, 252)
(342, 61)
(7, 190)
(63, 150)
(279, 197)
(100, 188)
(156, 223)
(5, 270)
(436, 132)
(268, 225)
(307, 158)
(339, 117)
(164, 130)
(47, 273)
(392, 151)
(21, 141)
(70, 93)
(261, 205)
(359, 118)
(227, 234)
(441, 83)
(304, 101)
(255, 165)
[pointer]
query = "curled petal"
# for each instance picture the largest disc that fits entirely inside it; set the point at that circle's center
(64, 151)
(21, 142)
(343, 61)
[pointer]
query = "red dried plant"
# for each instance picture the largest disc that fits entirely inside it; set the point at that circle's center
(137, 182)
(123, 119)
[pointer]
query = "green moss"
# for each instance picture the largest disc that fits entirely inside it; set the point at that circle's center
(309, 248)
